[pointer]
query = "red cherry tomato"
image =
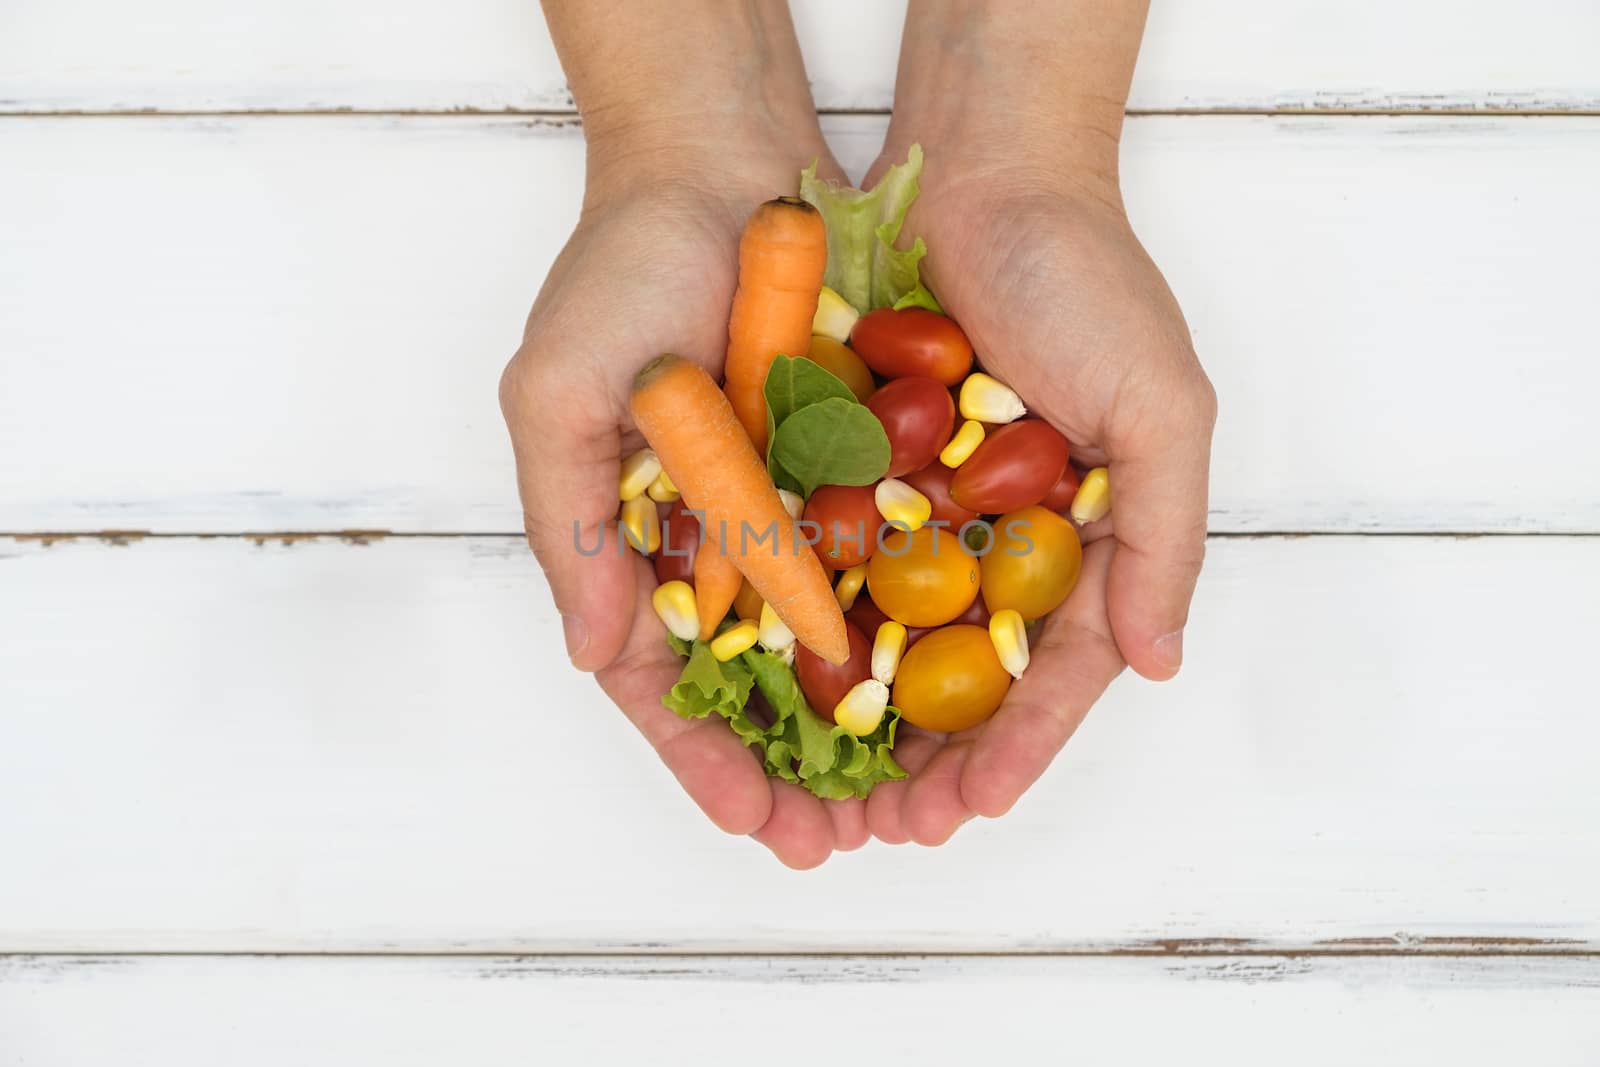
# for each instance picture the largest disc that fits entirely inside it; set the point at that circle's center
(680, 539)
(1059, 498)
(824, 683)
(847, 520)
(867, 615)
(1015, 467)
(912, 342)
(977, 615)
(918, 416)
(933, 482)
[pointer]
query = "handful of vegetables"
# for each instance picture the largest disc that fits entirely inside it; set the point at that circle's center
(859, 525)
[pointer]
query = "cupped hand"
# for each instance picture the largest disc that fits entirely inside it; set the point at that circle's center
(1062, 303)
(650, 268)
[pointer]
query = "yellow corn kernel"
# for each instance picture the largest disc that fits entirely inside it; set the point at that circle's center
(734, 640)
(675, 606)
(963, 444)
(887, 648)
(985, 400)
(641, 525)
(662, 491)
(902, 505)
(638, 471)
(773, 633)
(835, 318)
(1093, 500)
(849, 587)
(862, 708)
(793, 503)
(1010, 638)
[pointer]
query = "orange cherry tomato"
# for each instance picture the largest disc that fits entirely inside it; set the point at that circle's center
(922, 578)
(747, 602)
(824, 683)
(1059, 498)
(847, 522)
(950, 680)
(912, 342)
(933, 482)
(843, 364)
(1032, 564)
(680, 540)
(918, 416)
(1014, 467)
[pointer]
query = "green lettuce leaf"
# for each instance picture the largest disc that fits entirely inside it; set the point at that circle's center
(864, 266)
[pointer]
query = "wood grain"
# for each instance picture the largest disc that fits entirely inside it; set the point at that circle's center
(493, 55)
(223, 325)
(268, 1011)
(323, 746)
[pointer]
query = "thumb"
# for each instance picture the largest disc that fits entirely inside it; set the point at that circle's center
(1159, 477)
(568, 454)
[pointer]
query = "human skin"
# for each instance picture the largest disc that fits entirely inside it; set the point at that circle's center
(696, 112)
(1019, 110)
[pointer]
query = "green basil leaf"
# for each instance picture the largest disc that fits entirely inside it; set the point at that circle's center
(832, 442)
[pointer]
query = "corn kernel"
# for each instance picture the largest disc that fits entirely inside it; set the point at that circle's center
(638, 471)
(641, 524)
(887, 648)
(901, 504)
(985, 400)
(963, 444)
(793, 503)
(862, 708)
(1010, 638)
(849, 587)
(773, 633)
(675, 606)
(1093, 500)
(662, 490)
(835, 318)
(735, 639)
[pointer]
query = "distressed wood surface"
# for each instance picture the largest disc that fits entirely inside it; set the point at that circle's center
(386, 55)
(324, 746)
(213, 325)
(268, 1011)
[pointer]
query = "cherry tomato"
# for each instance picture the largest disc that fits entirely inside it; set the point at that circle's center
(950, 680)
(912, 342)
(680, 539)
(1015, 467)
(933, 482)
(922, 578)
(824, 683)
(747, 602)
(978, 613)
(865, 614)
(1033, 564)
(847, 519)
(918, 416)
(843, 364)
(1059, 498)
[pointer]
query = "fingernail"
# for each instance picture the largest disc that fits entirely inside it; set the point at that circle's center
(576, 631)
(1169, 650)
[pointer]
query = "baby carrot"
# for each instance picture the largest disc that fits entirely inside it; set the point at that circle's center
(706, 453)
(716, 584)
(782, 256)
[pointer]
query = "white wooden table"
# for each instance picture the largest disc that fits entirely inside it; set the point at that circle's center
(275, 791)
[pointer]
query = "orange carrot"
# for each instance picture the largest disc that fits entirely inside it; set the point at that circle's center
(782, 256)
(716, 585)
(706, 453)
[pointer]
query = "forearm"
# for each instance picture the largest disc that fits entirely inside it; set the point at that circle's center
(664, 84)
(1041, 82)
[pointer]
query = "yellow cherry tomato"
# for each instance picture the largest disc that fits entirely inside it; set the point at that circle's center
(1032, 564)
(950, 679)
(843, 364)
(923, 578)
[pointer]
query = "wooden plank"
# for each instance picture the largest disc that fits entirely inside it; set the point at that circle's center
(323, 746)
(297, 324)
(188, 55)
(172, 1012)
